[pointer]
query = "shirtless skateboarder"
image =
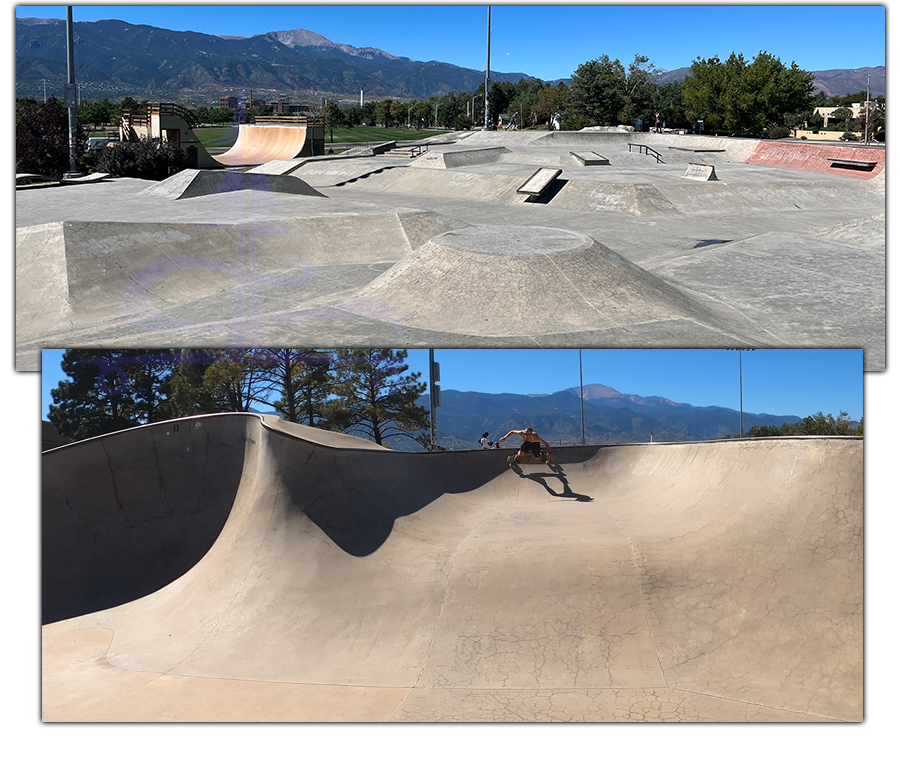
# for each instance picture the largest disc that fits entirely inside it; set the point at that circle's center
(531, 444)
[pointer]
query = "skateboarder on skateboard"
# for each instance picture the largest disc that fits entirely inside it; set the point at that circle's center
(531, 444)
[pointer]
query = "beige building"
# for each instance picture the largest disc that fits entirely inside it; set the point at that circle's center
(858, 110)
(169, 122)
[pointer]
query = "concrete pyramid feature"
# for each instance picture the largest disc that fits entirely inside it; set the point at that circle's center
(193, 183)
(267, 571)
(516, 280)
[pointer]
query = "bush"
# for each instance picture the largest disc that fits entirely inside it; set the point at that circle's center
(777, 133)
(147, 159)
(575, 123)
(42, 138)
(849, 137)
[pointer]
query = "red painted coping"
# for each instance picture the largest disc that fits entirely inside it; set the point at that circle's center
(814, 158)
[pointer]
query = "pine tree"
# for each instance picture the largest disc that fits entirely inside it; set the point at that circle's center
(376, 397)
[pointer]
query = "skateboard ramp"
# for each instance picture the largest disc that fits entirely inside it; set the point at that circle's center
(320, 578)
(261, 143)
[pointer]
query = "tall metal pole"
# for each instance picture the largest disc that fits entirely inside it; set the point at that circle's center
(581, 384)
(741, 382)
(867, 109)
(434, 375)
(70, 90)
(487, 71)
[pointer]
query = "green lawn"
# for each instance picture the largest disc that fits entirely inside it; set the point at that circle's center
(376, 134)
(224, 137)
(216, 137)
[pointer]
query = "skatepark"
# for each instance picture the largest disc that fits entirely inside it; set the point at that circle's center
(240, 568)
(628, 240)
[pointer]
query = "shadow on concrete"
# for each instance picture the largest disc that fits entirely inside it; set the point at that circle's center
(549, 194)
(545, 479)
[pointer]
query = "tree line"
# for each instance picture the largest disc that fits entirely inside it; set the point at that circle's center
(366, 392)
(733, 96)
(813, 425)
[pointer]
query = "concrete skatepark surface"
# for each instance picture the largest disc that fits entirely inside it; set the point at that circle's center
(240, 568)
(777, 256)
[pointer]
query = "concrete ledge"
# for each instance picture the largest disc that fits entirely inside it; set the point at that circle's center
(538, 182)
(866, 166)
(590, 158)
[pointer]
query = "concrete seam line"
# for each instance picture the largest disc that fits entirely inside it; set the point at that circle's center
(576, 289)
(640, 580)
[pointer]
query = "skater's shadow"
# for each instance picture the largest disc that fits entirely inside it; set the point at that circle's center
(545, 479)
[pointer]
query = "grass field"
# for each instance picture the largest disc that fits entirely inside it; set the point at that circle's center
(224, 137)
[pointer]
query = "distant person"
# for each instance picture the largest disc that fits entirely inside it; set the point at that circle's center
(531, 442)
(485, 441)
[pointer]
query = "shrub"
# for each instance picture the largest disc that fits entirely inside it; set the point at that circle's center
(147, 159)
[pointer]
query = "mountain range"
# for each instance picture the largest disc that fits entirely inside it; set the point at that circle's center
(114, 59)
(609, 416)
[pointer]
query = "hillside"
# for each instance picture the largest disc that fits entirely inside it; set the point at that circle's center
(164, 64)
(114, 59)
(609, 416)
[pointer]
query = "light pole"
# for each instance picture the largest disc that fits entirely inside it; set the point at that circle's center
(867, 109)
(741, 383)
(71, 91)
(581, 384)
(487, 71)
(434, 376)
(866, 128)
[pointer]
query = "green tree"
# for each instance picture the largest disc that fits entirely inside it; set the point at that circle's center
(777, 90)
(668, 104)
(236, 379)
(331, 117)
(187, 396)
(702, 92)
(376, 396)
(108, 391)
(598, 91)
(383, 112)
(300, 382)
(96, 112)
(734, 96)
(840, 119)
(639, 91)
(551, 100)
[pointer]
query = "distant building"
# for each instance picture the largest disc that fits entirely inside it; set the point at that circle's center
(857, 109)
(228, 101)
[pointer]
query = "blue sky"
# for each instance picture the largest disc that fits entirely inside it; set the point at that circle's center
(544, 41)
(776, 381)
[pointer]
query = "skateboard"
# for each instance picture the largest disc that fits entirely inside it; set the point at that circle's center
(528, 459)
